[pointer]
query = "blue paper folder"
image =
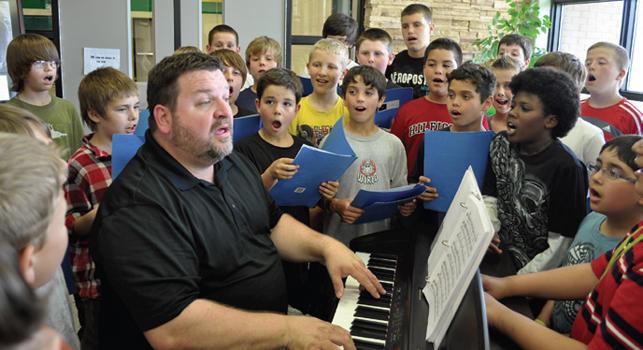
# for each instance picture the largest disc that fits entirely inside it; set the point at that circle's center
(124, 148)
(143, 122)
(315, 167)
(307, 86)
(379, 205)
(336, 140)
(447, 155)
(395, 98)
(245, 126)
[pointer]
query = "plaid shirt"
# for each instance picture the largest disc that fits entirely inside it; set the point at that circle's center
(90, 173)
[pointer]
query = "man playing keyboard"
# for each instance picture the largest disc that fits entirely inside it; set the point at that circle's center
(188, 243)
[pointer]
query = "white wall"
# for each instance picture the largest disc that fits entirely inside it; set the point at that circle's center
(252, 18)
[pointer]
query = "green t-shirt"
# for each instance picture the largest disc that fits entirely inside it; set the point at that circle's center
(63, 122)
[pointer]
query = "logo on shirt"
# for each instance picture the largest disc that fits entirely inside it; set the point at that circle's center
(420, 128)
(367, 172)
(55, 133)
(314, 134)
(407, 78)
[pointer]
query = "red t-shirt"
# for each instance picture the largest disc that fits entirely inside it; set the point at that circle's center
(612, 316)
(622, 118)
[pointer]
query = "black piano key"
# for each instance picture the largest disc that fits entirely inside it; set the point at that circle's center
(381, 263)
(387, 286)
(362, 345)
(384, 256)
(367, 329)
(381, 274)
(364, 293)
(374, 302)
(376, 314)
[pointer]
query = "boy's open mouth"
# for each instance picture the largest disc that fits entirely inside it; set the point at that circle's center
(360, 108)
(455, 113)
(591, 77)
(502, 101)
(230, 90)
(411, 38)
(511, 125)
(49, 78)
(276, 124)
(594, 194)
(438, 80)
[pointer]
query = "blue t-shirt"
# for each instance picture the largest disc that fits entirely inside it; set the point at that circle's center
(246, 100)
(588, 244)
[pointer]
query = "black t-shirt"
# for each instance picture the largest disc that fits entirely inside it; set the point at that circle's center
(164, 238)
(406, 71)
(537, 194)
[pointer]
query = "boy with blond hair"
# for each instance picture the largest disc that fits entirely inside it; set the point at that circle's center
(319, 111)
(607, 65)
(380, 163)
(109, 105)
(32, 62)
(504, 68)
(374, 49)
(406, 69)
(32, 210)
(262, 54)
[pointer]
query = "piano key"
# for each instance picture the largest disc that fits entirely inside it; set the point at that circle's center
(366, 324)
(364, 345)
(366, 332)
(366, 312)
(382, 263)
(370, 341)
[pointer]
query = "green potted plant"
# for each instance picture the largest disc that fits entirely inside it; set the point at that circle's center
(522, 18)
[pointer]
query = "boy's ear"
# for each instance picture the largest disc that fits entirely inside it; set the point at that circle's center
(207, 48)
(163, 118)
(551, 121)
(257, 103)
(621, 74)
(381, 102)
(94, 116)
(26, 263)
(343, 74)
(391, 57)
(431, 27)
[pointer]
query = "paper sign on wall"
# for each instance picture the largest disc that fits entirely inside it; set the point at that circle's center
(4, 88)
(96, 58)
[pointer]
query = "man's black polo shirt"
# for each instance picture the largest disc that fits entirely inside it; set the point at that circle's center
(163, 238)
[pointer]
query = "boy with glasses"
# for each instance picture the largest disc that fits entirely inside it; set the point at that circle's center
(32, 61)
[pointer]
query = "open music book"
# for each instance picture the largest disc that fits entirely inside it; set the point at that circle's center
(457, 251)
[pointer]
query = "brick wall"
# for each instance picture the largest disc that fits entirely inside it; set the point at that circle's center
(460, 20)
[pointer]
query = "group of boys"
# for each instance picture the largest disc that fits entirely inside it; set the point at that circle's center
(162, 277)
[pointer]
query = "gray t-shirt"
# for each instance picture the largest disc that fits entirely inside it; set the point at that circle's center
(380, 165)
(59, 314)
(588, 244)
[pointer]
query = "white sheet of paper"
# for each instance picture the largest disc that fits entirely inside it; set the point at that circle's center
(4, 88)
(96, 58)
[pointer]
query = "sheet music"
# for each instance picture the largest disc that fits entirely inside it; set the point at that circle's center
(456, 254)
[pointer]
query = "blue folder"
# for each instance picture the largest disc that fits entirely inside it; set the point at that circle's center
(124, 148)
(143, 122)
(315, 167)
(379, 205)
(336, 140)
(307, 86)
(447, 155)
(245, 126)
(395, 98)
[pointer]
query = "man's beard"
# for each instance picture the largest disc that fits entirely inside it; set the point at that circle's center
(209, 151)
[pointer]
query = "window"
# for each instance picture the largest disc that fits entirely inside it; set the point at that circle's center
(576, 25)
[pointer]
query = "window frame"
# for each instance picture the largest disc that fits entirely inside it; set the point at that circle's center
(626, 38)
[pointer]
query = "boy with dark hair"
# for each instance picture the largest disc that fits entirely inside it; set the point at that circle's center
(381, 163)
(262, 54)
(607, 65)
(340, 27)
(109, 105)
(272, 150)
(535, 187)
(504, 68)
(406, 69)
(222, 36)
(374, 49)
(518, 47)
(428, 112)
(585, 139)
(611, 315)
(32, 62)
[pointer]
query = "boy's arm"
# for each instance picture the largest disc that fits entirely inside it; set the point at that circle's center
(569, 282)
(546, 312)
(527, 333)
(348, 213)
(76, 137)
(80, 215)
(83, 224)
(280, 169)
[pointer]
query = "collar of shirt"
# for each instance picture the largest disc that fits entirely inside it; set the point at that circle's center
(98, 153)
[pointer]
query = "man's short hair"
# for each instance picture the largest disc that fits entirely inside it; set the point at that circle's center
(340, 24)
(186, 49)
(517, 39)
(21, 309)
(333, 47)
(99, 88)
(481, 77)
(619, 52)
(557, 93)
(280, 77)
(444, 44)
(162, 82)
(567, 63)
(15, 120)
(222, 28)
(262, 45)
(31, 179)
(232, 59)
(623, 147)
(370, 77)
(375, 34)
(506, 62)
(418, 8)
(23, 51)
